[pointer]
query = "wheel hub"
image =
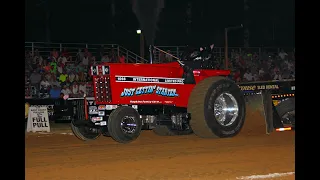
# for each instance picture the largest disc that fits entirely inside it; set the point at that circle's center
(226, 109)
(128, 124)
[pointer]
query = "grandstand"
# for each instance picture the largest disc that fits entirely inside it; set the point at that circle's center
(52, 68)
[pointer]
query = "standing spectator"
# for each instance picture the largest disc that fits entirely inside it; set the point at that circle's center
(82, 89)
(282, 54)
(62, 59)
(162, 57)
(79, 56)
(55, 54)
(66, 54)
(168, 57)
(112, 56)
(122, 59)
(35, 79)
(87, 53)
(85, 60)
(100, 53)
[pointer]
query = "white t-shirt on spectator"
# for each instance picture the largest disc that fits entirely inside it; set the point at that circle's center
(63, 60)
(40, 60)
(82, 88)
(66, 91)
(44, 84)
(255, 77)
(248, 76)
(59, 68)
(283, 55)
(75, 89)
(261, 72)
(34, 60)
(85, 61)
(71, 77)
(277, 77)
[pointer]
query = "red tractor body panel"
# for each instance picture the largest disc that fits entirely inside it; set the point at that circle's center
(146, 83)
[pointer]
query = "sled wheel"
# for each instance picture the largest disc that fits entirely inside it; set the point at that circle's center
(286, 111)
(85, 133)
(124, 124)
(217, 108)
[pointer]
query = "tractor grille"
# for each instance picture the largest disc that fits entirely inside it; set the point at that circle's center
(101, 79)
(102, 89)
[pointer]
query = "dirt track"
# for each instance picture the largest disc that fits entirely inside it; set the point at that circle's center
(252, 152)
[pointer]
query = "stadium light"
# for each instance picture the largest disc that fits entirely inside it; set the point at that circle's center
(139, 31)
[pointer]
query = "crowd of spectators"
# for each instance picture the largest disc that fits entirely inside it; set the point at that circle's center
(247, 66)
(253, 66)
(60, 74)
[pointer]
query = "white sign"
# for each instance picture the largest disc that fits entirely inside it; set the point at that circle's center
(38, 119)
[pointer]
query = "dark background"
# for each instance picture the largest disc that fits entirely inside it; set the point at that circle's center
(270, 22)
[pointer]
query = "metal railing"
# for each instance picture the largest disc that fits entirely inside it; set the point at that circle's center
(219, 51)
(44, 50)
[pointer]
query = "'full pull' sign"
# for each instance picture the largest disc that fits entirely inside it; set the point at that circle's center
(38, 119)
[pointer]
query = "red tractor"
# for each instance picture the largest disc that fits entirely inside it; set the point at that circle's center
(175, 98)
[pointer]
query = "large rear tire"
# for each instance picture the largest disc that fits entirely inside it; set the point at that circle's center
(124, 124)
(217, 108)
(85, 133)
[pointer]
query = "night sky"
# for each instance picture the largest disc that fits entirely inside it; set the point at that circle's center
(270, 22)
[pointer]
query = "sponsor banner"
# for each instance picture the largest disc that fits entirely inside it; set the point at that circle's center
(138, 79)
(145, 90)
(258, 87)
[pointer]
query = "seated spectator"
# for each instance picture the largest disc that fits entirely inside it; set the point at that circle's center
(55, 92)
(75, 90)
(277, 76)
(72, 77)
(105, 58)
(53, 67)
(63, 77)
(66, 91)
(44, 87)
(53, 80)
(248, 76)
